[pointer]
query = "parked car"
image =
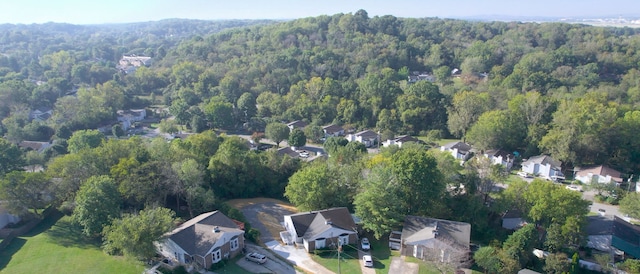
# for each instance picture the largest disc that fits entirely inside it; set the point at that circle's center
(574, 188)
(524, 174)
(364, 244)
(256, 258)
(304, 154)
(368, 260)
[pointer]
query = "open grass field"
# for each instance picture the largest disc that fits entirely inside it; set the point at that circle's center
(56, 246)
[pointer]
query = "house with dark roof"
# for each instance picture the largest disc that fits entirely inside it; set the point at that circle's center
(500, 157)
(297, 124)
(459, 150)
(320, 229)
(332, 130)
(367, 137)
(398, 141)
(203, 240)
(626, 237)
(543, 166)
(435, 239)
(513, 220)
(35, 146)
(598, 174)
(128, 117)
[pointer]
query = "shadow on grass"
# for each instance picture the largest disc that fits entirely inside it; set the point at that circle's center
(68, 234)
(45, 224)
(10, 250)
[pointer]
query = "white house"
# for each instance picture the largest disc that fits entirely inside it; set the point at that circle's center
(600, 174)
(399, 141)
(320, 229)
(128, 117)
(459, 150)
(500, 157)
(332, 131)
(367, 137)
(203, 240)
(543, 166)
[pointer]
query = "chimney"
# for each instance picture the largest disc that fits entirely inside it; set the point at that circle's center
(216, 229)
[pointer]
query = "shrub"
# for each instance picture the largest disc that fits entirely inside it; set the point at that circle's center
(253, 235)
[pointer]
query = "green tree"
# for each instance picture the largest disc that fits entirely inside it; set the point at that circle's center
(466, 108)
(25, 190)
(487, 258)
(97, 204)
(630, 204)
(277, 132)
(314, 133)
(297, 138)
(117, 130)
(134, 234)
(11, 157)
(190, 186)
(168, 126)
(497, 129)
(85, 139)
(377, 204)
(316, 187)
(520, 244)
(219, 113)
(556, 263)
(332, 144)
(247, 106)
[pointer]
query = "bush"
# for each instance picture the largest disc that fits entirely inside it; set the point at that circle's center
(218, 265)
(253, 235)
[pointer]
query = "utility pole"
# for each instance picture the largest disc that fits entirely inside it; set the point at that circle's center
(339, 249)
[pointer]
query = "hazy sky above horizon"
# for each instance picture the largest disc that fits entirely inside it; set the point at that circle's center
(124, 11)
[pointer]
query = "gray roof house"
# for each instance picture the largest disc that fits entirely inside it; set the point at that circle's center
(543, 166)
(326, 228)
(500, 157)
(297, 124)
(367, 137)
(333, 130)
(204, 240)
(435, 239)
(398, 141)
(459, 150)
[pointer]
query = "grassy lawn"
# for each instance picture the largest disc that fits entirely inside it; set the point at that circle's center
(56, 246)
(349, 261)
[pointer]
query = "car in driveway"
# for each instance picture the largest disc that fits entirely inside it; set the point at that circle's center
(256, 258)
(368, 260)
(365, 244)
(524, 174)
(574, 188)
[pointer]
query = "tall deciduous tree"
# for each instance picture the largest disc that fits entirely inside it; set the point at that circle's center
(134, 235)
(97, 204)
(630, 204)
(25, 190)
(11, 157)
(297, 138)
(466, 108)
(377, 203)
(316, 187)
(85, 139)
(277, 132)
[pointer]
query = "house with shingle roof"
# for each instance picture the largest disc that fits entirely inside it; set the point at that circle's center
(398, 141)
(543, 166)
(423, 237)
(321, 229)
(204, 240)
(500, 157)
(299, 124)
(332, 130)
(35, 145)
(459, 150)
(600, 174)
(367, 137)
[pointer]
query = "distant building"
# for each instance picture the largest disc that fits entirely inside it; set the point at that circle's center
(600, 174)
(420, 76)
(128, 117)
(129, 64)
(297, 124)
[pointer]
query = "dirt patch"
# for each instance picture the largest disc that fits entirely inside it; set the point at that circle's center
(241, 203)
(271, 224)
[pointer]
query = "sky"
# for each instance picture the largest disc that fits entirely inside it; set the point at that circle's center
(128, 11)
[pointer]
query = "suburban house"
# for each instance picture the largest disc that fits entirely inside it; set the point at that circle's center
(40, 115)
(599, 232)
(626, 237)
(513, 220)
(35, 146)
(7, 218)
(435, 239)
(528, 271)
(332, 130)
(598, 174)
(420, 76)
(459, 150)
(543, 166)
(288, 151)
(326, 228)
(296, 124)
(500, 157)
(129, 64)
(398, 141)
(128, 117)
(203, 240)
(367, 137)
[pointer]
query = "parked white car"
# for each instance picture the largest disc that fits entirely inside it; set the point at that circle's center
(365, 244)
(368, 260)
(256, 258)
(574, 188)
(524, 174)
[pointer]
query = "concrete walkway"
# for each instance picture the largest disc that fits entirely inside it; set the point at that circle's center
(297, 256)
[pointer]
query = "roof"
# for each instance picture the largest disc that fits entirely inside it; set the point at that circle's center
(297, 124)
(404, 139)
(198, 235)
(367, 134)
(458, 145)
(543, 160)
(514, 213)
(601, 170)
(626, 236)
(498, 153)
(330, 129)
(418, 230)
(37, 146)
(527, 271)
(288, 151)
(309, 224)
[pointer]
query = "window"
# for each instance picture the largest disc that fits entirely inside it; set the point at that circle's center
(215, 256)
(234, 244)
